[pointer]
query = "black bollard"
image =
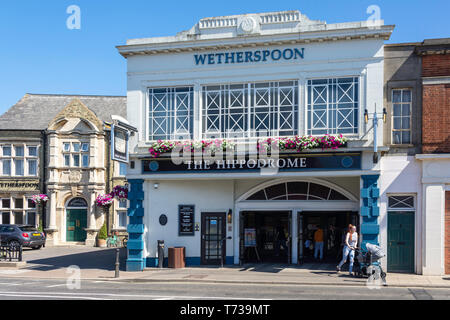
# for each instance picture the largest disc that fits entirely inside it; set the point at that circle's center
(117, 263)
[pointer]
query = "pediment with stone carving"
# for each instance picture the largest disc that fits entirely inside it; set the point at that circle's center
(76, 110)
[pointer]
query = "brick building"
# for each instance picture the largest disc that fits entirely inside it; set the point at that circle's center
(435, 155)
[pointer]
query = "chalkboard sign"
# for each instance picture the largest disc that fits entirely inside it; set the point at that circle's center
(186, 220)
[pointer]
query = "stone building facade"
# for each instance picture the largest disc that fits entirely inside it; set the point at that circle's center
(73, 137)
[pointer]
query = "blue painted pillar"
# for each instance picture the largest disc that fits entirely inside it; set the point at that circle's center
(135, 228)
(370, 211)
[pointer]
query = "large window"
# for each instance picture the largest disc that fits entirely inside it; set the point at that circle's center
(171, 113)
(76, 154)
(250, 110)
(333, 106)
(18, 160)
(401, 116)
(18, 211)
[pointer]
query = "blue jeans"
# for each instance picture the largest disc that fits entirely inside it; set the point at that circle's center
(347, 252)
(318, 246)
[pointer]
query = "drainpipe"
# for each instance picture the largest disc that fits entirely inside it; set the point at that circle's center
(44, 176)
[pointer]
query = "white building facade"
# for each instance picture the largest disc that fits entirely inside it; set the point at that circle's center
(247, 78)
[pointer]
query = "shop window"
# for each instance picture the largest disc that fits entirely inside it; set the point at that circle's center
(297, 191)
(18, 203)
(401, 116)
(170, 113)
(250, 110)
(333, 106)
(6, 203)
(18, 217)
(31, 204)
(31, 218)
(6, 218)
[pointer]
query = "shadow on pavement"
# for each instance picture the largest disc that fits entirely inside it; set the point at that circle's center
(101, 259)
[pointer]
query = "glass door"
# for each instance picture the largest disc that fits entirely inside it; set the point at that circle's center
(213, 244)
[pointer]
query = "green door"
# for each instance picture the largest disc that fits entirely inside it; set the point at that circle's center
(400, 242)
(76, 224)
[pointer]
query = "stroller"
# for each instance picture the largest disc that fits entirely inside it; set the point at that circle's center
(367, 264)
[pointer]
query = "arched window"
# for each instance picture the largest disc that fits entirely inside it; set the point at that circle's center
(77, 203)
(297, 191)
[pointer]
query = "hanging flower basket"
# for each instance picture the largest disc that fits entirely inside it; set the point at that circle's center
(104, 200)
(120, 192)
(40, 199)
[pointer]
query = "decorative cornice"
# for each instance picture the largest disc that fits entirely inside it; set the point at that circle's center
(260, 41)
(251, 30)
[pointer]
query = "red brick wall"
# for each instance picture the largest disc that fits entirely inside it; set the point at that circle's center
(447, 232)
(436, 118)
(436, 65)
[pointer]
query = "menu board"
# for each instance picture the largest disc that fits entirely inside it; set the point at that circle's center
(186, 220)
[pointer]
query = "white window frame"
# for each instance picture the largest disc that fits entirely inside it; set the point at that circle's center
(357, 79)
(413, 209)
(25, 158)
(71, 153)
(171, 120)
(119, 211)
(401, 116)
(274, 100)
(12, 210)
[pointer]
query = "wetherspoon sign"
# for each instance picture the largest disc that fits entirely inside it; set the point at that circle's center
(249, 56)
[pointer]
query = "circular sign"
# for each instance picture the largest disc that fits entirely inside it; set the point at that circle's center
(347, 162)
(163, 219)
(154, 165)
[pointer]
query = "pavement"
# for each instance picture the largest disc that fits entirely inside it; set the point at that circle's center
(99, 264)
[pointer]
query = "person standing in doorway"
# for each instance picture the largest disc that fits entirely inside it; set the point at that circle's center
(318, 243)
(280, 240)
(351, 241)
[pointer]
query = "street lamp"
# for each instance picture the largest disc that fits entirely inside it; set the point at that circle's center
(375, 118)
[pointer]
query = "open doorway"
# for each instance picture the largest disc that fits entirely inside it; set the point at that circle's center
(334, 226)
(266, 237)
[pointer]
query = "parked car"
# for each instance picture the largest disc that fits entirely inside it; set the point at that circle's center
(25, 235)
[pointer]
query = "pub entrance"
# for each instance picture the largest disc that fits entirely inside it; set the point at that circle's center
(265, 236)
(334, 226)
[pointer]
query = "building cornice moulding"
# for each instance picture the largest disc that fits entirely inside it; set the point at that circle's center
(226, 43)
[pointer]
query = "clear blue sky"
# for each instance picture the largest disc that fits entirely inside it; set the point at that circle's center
(39, 54)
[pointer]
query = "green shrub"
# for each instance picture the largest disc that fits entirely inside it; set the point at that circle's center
(103, 233)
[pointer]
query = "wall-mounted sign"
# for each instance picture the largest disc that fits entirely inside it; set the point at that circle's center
(250, 56)
(163, 219)
(186, 220)
(119, 144)
(285, 162)
(19, 185)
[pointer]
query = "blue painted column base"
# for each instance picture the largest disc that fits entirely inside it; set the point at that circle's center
(370, 211)
(135, 228)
